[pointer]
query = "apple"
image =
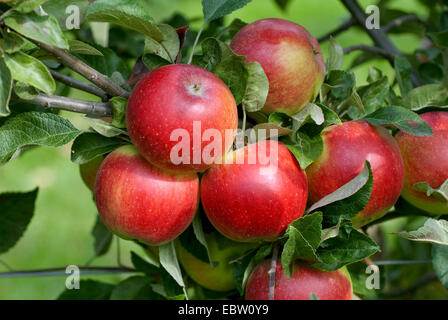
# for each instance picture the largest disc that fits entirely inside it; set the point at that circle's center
(305, 280)
(346, 148)
(222, 251)
(426, 160)
(248, 198)
(180, 104)
(290, 57)
(89, 170)
(139, 201)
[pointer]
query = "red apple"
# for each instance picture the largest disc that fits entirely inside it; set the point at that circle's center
(177, 99)
(346, 148)
(139, 201)
(305, 280)
(290, 57)
(89, 170)
(426, 160)
(249, 199)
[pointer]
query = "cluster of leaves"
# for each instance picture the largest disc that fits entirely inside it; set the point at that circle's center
(324, 236)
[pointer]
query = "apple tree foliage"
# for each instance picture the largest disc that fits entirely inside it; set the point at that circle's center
(37, 52)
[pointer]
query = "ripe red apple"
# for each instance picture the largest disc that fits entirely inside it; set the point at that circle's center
(89, 170)
(180, 99)
(290, 57)
(426, 160)
(346, 148)
(139, 201)
(250, 199)
(305, 280)
(222, 252)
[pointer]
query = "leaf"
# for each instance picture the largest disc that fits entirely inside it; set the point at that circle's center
(119, 105)
(104, 128)
(335, 55)
(431, 95)
(440, 193)
(311, 112)
(257, 87)
(63, 9)
(5, 88)
(34, 128)
(306, 149)
(235, 26)
(25, 91)
(331, 232)
(16, 211)
(265, 131)
(347, 201)
(13, 42)
(144, 266)
(403, 71)
(153, 61)
(341, 84)
(28, 5)
(440, 38)
(214, 9)
(27, 69)
(135, 288)
(103, 238)
(402, 118)
(189, 241)
(283, 4)
(168, 48)
(127, 13)
(440, 262)
(80, 47)
(200, 236)
(303, 239)
(89, 145)
(345, 249)
(168, 260)
(88, 290)
(233, 73)
(41, 28)
(433, 231)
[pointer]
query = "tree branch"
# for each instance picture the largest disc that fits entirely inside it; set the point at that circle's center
(372, 49)
(345, 26)
(52, 272)
(426, 279)
(101, 109)
(83, 69)
(398, 22)
(77, 84)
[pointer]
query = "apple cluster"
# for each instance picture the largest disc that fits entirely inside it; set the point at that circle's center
(142, 195)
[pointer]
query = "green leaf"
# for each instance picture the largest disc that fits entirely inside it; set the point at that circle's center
(335, 55)
(88, 290)
(66, 9)
(127, 13)
(268, 130)
(303, 239)
(373, 96)
(440, 262)
(41, 28)
(5, 88)
(25, 91)
(306, 149)
(190, 242)
(102, 236)
(153, 61)
(200, 236)
(233, 73)
(168, 259)
(440, 38)
(34, 128)
(168, 48)
(257, 87)
(402, 118)
(214, 9)
(331, 232)
(440, 193)
(431, 95)
(135, 288)
(29, 5)
(104, 128)
(27, 69)
(235, 26)
(341, 84)
(89, 145)
(403, 70)
(13, 42)
(144, 266)
(119, 105)
(347, 201)
(16, 211)
(346, 248)
(433, 231)
(80, 47)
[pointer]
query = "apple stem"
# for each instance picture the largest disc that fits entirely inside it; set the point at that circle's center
(271, 273)
(190, 59)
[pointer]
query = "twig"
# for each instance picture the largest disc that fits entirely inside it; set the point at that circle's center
(77, 84)
(83, 69)
(398, 22)
(101, 109)
(400, 262)
(196, 42)
(54, 272)
(7, 266)
(345, 26)
(272, 272)
(371, 49)
(428, 278)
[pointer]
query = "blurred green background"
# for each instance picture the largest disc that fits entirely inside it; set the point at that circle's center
(59, 234)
